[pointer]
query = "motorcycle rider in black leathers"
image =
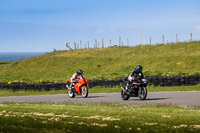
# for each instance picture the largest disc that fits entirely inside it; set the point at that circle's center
(133, 77)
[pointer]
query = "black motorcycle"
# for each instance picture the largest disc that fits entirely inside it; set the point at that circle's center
(135, 89)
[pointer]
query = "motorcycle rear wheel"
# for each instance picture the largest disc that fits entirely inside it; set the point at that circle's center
(124, 95)
(142, 93)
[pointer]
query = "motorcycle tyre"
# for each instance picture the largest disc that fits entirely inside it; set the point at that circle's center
(144, 93)
(85, 95)
(124, 95)
(71, 95)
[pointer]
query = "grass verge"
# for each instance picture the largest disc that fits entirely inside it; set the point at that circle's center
(97, 89)
(97, 118)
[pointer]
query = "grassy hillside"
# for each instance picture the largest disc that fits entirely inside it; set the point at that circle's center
(109, 63)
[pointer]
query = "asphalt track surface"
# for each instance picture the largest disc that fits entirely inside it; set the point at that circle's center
(182, 98)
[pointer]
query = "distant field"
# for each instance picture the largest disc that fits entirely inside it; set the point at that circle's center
(108, 63)
(97, 118)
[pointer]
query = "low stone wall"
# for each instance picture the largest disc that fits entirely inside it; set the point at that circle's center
(153, 80)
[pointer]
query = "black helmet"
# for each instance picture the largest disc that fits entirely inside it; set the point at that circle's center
(138, 68)
(79, 72)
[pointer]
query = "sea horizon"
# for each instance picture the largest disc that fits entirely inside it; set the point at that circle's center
(14, 56)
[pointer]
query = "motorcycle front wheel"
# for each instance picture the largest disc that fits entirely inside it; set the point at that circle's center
(71, 94)
(124, 95)
(84, 91)
(142, 93)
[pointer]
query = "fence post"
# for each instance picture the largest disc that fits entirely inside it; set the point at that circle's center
(163, 39)
(95, 43)
(110, 43)
(140, 40)
(75, 45)
(128, 42)
(88, 44)
(122, 44)
(98, 44)
(102, 43)
(150, 40)
(119, 41)
(85, 45)
(176, 38)
(80, 45)
(67, 45)
(190, 37)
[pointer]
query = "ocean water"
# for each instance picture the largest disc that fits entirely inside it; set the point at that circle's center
(14, 56)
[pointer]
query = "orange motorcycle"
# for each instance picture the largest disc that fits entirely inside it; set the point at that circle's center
(80, 87)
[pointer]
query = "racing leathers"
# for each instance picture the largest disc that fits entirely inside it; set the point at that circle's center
(133, 77)
(75, 76)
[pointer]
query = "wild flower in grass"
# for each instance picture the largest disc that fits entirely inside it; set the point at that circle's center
(71, 122)
(15, 80)
(166, 116)
(44, 121)
(180, 126)
(116, 126)
(110, 119)
(195, 126)
(150, 124)
(81, 123)
(179, 63)
(100, 125)
(9, 83)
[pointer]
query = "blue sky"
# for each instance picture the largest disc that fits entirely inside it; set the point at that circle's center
(42, 25)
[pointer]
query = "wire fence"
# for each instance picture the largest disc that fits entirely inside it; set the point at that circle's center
(101, 43)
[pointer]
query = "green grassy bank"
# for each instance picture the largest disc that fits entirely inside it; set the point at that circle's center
(97, 118)
(108, 63)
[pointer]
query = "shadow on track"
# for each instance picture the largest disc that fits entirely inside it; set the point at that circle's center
(149, 99)
(89, 97)
(94, 96)
(152, 99)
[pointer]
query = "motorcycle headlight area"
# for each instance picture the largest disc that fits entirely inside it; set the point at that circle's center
(144, 80)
